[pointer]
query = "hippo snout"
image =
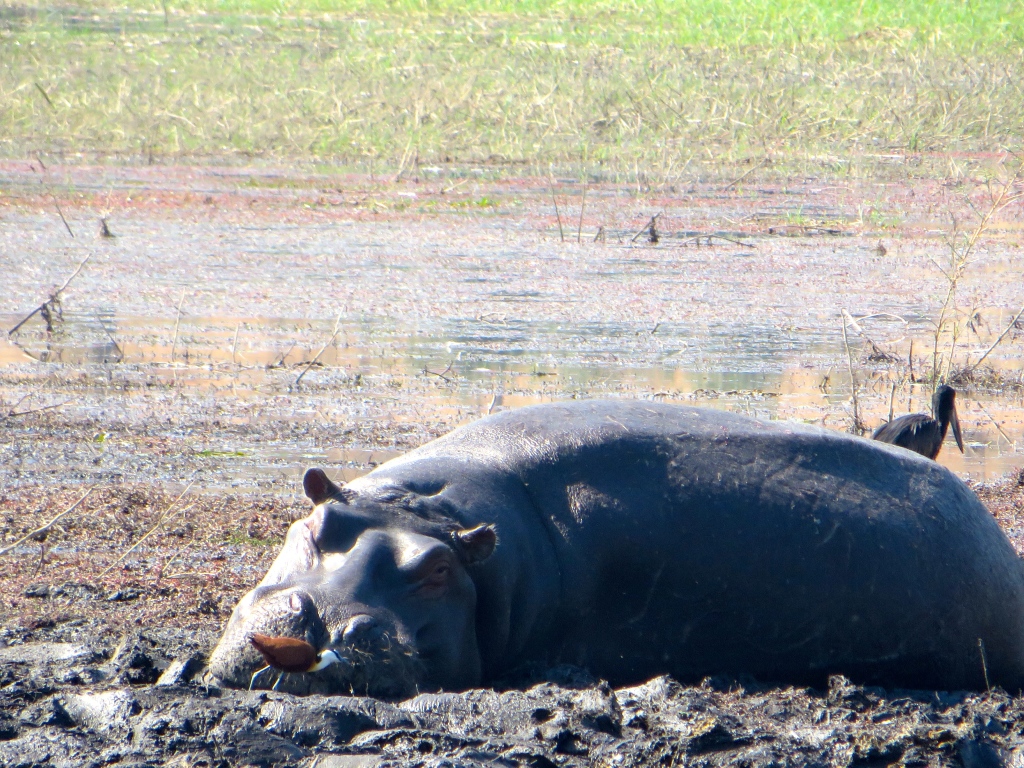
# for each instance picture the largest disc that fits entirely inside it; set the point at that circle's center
(356, 630)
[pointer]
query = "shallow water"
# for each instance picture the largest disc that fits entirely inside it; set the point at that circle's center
(419, 317)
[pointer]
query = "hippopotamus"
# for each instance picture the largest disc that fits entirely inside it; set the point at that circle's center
(636, 539)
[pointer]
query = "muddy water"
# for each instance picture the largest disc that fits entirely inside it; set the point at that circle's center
(420, 316)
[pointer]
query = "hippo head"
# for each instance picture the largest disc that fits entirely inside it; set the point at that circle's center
(382, 580)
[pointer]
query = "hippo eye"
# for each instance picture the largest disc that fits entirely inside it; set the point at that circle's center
(441, 571)
(434, 580)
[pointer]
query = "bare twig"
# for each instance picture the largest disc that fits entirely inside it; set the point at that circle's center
(405, 157)
(858, 425)
(177, 320)
(14, 413)
(583, 207)
(120, 352)
(558, 215)
(892, 400)
(645, 227)
(47, 527)
(960, 257)
(737, 180)
(995, 424)
(162, 519)
(442, 374)
(54, 297)
(234, 344)
(311, 363)
(1012, 324)
(61, 214)
(696, 241)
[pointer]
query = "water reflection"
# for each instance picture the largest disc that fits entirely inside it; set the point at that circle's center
(481, 367)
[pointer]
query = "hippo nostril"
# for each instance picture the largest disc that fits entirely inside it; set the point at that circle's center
(356, 628)
(295, 602)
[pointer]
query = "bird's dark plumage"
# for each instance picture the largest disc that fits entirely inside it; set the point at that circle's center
(922, 433)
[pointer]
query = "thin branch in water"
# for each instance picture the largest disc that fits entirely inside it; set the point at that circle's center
(442, 374)
(858, 425)
(44, 528)
(558, 215)
(53, 299)
(696, 241)
(311, 363)
(1011, 325)
(120, 352)
(645, 227)
(996, 424)
(960, 257)
(234, 344)
(61, 214)
(177, 320)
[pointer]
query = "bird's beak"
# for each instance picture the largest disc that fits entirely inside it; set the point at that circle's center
(954, 422)
(327, 658)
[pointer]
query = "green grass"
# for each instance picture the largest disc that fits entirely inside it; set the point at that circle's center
(665, 90)
(684, 22)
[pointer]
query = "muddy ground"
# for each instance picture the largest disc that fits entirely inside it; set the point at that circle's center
(242, 325)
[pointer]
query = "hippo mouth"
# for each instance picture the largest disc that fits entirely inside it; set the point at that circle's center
(294, 651)
(356, 673)
(387, 669)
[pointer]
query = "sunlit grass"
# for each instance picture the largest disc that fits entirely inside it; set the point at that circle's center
(657, 89)
(685, 22)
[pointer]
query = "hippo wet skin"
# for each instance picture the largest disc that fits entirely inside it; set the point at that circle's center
(636, 539)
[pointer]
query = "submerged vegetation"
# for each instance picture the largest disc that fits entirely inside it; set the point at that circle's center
(665, 92)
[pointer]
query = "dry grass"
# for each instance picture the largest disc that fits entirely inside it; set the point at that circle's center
(385, 91)
(189, 573)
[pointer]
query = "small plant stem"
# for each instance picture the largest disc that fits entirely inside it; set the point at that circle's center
(995, 343)
(50, 524)
(561, 233)
(858, 427)
(163, 518)
(334, 335)
(177, 320)
(234, 344)
(53, 296)
(583, 207)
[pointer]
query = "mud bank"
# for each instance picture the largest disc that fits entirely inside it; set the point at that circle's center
(106, 669)
(75, 695)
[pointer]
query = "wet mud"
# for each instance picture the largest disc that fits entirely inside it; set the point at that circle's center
(72, 696)
(242, 325)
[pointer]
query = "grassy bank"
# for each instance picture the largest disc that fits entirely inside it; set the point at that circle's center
(663, 92)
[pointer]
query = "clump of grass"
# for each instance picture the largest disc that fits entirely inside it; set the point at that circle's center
(541, 83)
(955, 321)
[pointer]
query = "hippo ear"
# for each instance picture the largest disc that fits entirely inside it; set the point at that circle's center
(477, 543)
(318, 486)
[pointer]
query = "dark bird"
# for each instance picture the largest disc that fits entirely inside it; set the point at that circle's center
(921, 433)
(289, 654)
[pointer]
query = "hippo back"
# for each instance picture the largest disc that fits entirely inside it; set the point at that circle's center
(694, 542)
